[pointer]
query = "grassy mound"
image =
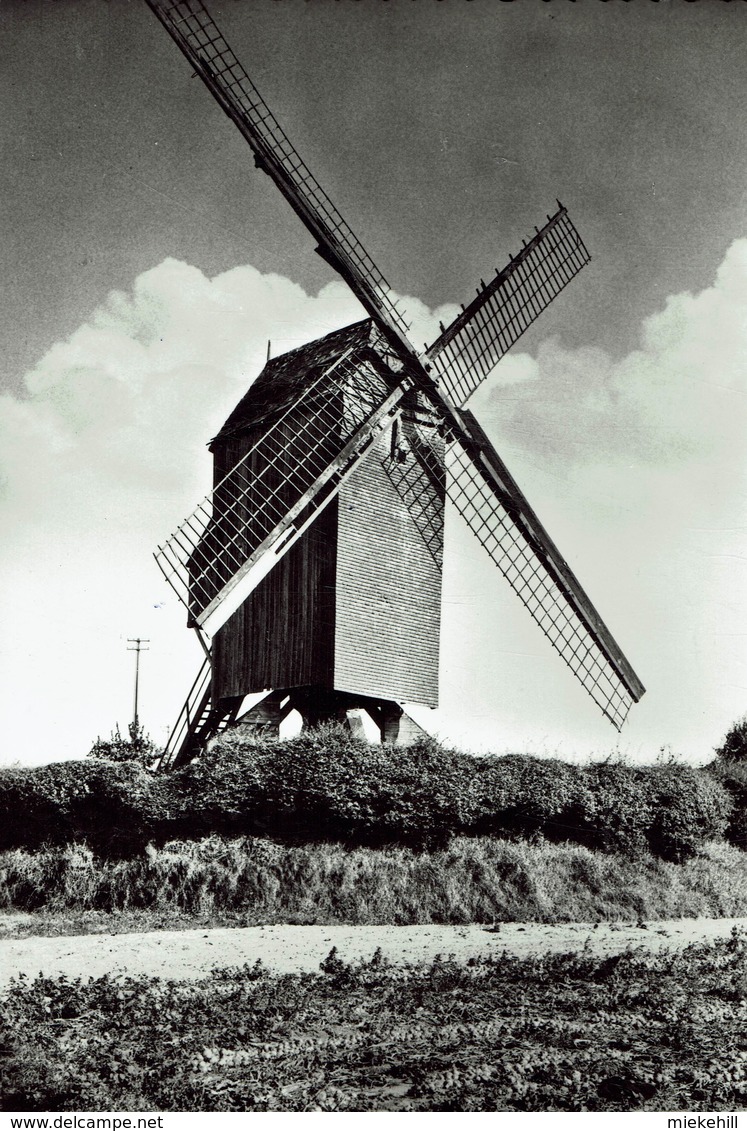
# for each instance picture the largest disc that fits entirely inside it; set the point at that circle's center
(658, 1032)
(327, 786)
(475, 880)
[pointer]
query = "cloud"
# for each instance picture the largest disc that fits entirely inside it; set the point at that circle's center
(680, 397)
(630, 463)
(122, 405)
(99, 461)
(637, 466)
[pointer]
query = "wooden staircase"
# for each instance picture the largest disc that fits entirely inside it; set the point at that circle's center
(199, 720)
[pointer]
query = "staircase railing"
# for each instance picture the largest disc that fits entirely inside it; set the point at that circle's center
(196, 706)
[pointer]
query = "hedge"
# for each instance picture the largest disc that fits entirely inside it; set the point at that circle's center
(327, 785)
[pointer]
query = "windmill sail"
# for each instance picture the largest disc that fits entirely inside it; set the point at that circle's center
(300, 454)
(477, 339)
(488, 498)
(221, 552)
(196, 33)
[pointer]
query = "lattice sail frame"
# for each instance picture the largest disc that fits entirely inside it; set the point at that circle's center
(483, 491)
(274, 492)
(195, 32)
(472, 345)
(462, 356)
(522, 560)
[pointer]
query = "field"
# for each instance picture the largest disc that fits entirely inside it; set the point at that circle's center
(560, 1033)
(325, 830)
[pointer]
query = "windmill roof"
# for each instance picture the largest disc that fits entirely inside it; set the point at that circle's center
(285, 377)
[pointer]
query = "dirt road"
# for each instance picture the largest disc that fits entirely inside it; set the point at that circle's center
(194, 953)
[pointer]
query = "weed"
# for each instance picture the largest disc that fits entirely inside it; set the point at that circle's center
(554, 1033)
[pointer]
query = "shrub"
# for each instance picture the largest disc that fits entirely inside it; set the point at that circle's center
(138, 747)
(522, 796)
(687, 808)
(106, 804)
(327, 785)
(733, 777)
(29, 816)
(619, 811)
(418, 795)
(733, 749)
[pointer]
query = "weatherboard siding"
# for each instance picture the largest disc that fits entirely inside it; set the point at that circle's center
(283, 634)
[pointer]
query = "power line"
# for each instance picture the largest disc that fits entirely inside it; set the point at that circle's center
(140, 646)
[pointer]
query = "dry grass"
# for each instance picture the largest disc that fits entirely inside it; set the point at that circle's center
(244, 881)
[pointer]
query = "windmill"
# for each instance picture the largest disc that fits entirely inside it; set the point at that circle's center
(312, 571)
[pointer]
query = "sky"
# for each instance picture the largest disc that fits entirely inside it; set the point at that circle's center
(147, 263)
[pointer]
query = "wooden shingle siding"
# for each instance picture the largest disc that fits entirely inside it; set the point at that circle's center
(388, 593)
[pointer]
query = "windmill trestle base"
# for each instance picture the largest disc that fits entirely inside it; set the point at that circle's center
(317, 705)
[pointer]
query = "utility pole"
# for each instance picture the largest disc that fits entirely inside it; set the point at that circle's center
(139, 646)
